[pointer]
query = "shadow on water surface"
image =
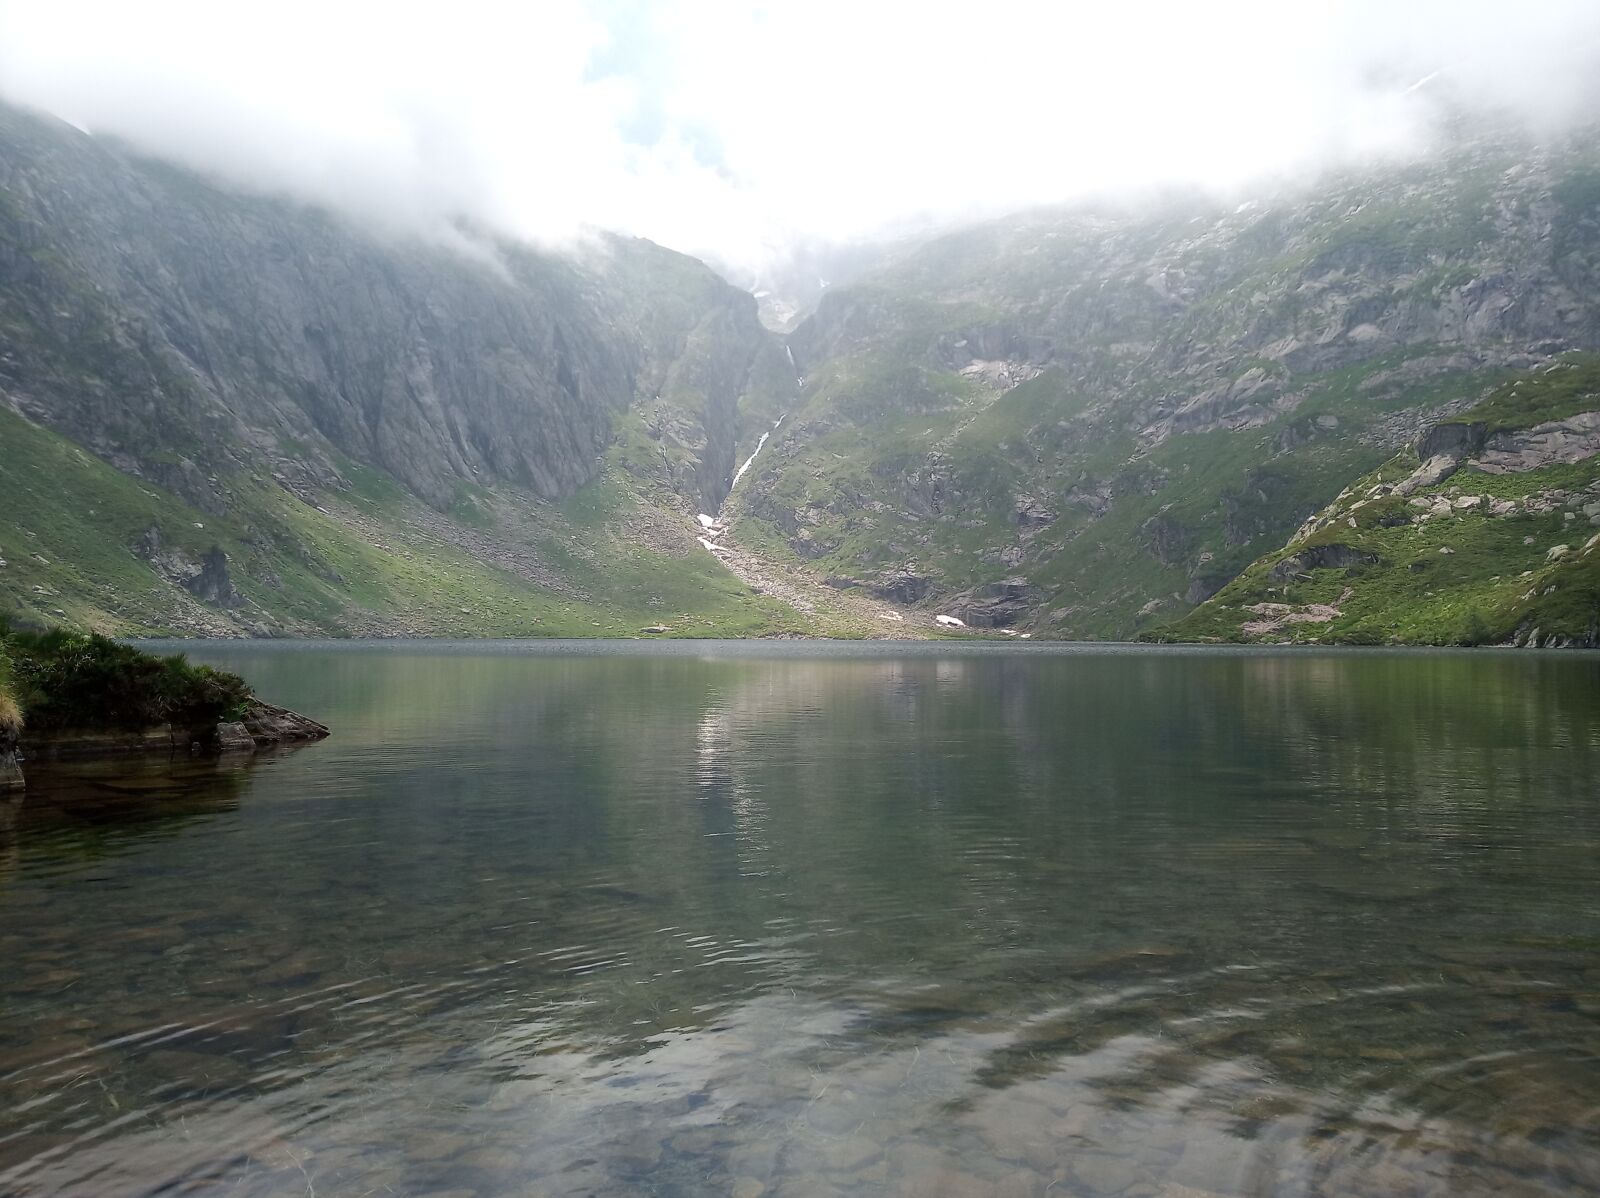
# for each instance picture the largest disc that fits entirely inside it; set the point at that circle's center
(827, 923)
(76, 811)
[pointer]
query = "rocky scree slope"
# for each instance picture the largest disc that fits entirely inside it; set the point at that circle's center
(227, 413)
(1085, 422)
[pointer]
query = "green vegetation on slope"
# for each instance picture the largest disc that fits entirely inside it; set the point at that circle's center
(66, 679)
(1120, 409)
(10, 708)
(1573, 386)
(86, 545)
(1477, 558)
(938, 478)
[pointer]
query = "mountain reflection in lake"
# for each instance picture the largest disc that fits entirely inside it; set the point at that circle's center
(810, 919)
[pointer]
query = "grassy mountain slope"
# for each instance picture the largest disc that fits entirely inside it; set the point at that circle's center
(1083, 423)
(87, 544)
(1502, 548)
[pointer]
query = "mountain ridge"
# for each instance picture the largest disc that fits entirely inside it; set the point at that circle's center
(263, 419)
(1082, 424)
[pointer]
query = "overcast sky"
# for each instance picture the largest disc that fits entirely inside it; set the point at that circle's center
(735, 128)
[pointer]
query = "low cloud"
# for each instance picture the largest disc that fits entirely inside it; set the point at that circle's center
(739, 130)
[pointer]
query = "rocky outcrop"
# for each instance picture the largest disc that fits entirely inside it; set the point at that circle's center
(267, 725)
(1554, 442)
(1319, 557)
(902, 586)
(205, 577)
(1452, 439)
(1446, 447)
(262, 725)
(996, 605)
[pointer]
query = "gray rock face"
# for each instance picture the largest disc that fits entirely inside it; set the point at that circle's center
(997, 604)
(1451, 440)
(1320, 557)
(212, 584)
(1570, 440)
(902, 587)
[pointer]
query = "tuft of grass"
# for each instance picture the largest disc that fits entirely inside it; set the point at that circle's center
(10, 709)
(70, 679)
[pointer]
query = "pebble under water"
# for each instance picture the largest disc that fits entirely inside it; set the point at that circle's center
(808, 919)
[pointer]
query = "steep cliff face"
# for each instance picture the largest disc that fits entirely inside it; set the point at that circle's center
(304, 403)
(1084, 422)
(176, 327)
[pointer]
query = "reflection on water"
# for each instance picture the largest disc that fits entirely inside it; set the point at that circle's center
(818, 920)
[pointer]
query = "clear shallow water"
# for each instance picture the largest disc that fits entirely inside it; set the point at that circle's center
(801, 919)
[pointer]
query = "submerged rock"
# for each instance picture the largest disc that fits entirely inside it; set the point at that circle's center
(10, 768)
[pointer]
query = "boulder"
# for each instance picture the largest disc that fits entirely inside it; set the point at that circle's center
(269, 724)
(1433, 471)
(234, 737)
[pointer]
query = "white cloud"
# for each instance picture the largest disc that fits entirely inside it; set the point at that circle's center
(734, 128)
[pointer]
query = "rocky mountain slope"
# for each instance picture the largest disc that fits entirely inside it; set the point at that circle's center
(232, 413)
(1083, 423)
(1484, 531)
(225, 413)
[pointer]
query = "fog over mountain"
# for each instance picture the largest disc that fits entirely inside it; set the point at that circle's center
(1241, 321)
(738, 131)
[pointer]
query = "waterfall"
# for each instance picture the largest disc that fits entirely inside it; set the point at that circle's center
(749, 460)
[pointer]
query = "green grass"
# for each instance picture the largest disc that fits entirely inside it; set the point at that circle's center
(1565, 388)
(366, 560)
(10, 707)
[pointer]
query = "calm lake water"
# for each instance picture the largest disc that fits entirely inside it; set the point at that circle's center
(798, 919)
